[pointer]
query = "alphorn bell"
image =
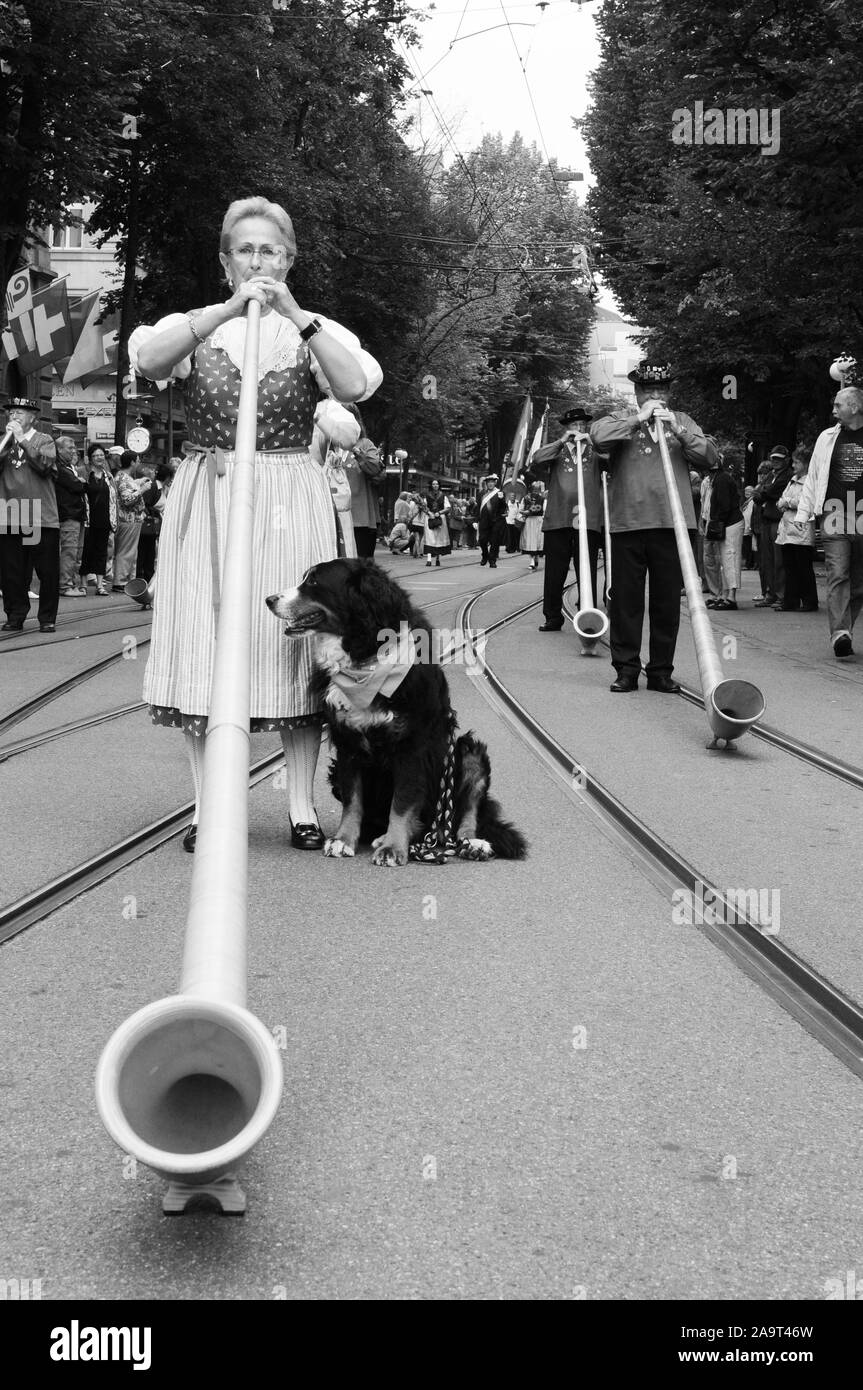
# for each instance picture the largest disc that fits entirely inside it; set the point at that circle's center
(142, 591)
(590, 623)
(190, 1083)
(732, 706)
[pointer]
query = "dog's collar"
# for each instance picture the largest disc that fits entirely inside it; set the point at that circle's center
(358, 686)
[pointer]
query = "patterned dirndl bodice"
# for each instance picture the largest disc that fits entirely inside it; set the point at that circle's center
(287, 398)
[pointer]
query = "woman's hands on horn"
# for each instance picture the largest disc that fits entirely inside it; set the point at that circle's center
(268, 292)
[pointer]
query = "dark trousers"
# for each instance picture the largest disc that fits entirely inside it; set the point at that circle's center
(489, 542)
(561, 548)
(636, 556)
(772, 565)
(17, 563)
(800, 586)
(366, 538)
(146, 564)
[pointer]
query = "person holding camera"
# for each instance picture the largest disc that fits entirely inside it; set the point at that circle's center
(643, 543)
(557, 462)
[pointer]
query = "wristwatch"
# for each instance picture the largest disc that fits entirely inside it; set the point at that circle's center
(311, 329)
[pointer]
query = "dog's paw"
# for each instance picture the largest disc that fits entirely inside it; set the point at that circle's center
(338, 849)
(475, 849)
(388, 856)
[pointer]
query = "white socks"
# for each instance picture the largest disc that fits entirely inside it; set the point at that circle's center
(195, 750)
(301, 758)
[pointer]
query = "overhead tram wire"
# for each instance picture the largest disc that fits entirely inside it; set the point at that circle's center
(447, 133)
(560, 199)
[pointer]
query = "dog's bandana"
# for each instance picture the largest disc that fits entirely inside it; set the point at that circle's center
(356, 687)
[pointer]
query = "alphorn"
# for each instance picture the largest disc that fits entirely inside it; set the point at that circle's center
(190, 1083)
(590, 623)
(732, 706)
(606, 559)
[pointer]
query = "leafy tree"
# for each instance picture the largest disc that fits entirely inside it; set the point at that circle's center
(739, 262)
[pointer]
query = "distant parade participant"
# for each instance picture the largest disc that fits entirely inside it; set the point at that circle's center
(102, 521)
(301, 356)
(491, 520)
(29, 520)
(532, 508)
(436, 541)
(643, 544)
(833, 489)
(557, 461)
(770, 488)
(70, 487)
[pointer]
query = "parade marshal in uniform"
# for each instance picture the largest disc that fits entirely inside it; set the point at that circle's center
(643, 544)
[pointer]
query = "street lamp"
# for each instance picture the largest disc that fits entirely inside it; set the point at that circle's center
(400, 455)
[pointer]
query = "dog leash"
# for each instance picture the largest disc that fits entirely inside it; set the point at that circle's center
(439, 843)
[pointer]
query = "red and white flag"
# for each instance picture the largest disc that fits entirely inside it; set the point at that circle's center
(40, 325)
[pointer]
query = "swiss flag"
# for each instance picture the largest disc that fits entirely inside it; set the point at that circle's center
(42, 333)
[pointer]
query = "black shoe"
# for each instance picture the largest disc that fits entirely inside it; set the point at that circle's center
(550, 627)
(492, 564)
(189, 839)
(664, 684)
(624, 685)
(47, 627)
(842, 647)
(307, 836)
(483, 562)
(12, 627)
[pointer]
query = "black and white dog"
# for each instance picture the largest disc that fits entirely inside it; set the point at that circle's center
(390, 719)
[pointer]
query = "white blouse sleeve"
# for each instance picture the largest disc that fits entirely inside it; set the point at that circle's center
(374, 375)
(142, 335)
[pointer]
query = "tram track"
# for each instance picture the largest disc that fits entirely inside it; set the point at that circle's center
(34, 741)
(845, 772)
(830, 1015)
(41, 902)
(821, 1007)
(53, 692)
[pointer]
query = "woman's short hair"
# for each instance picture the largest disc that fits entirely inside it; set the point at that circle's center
(257, 207)
(91, 450)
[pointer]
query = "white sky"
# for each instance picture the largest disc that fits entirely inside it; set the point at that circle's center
(479, 85)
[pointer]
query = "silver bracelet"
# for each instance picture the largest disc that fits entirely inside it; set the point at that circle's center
(192, 318)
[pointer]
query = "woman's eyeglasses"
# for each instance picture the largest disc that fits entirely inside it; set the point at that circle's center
(273, 254)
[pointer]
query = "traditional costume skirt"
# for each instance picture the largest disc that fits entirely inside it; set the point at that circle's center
(436, 539)
(531, 535)
(294, 528)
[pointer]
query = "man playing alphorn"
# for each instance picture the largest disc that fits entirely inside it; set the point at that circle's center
(643, 544)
